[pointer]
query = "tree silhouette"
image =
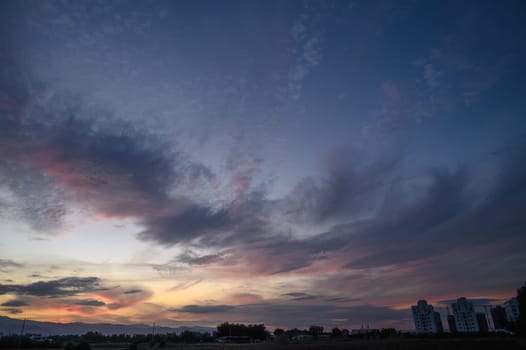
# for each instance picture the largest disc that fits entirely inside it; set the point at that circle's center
(521, 300)
(336, 332)
(315, 330)
(278, 331)
(255, 331)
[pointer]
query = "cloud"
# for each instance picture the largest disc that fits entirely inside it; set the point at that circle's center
(444, 229)
(78, 297)
(403, 229)
(74, 295)
(290, 315)
(9, 263)
(90, 302)
(370, 219)
(185, 285)
(431, 75)
(299, 296)
(133, 291)
(61, 157)
(68, 286)
(120, 297)
(281, 313)
(15, 303)
(416, 218)
(14, 311)
(243, 169)
(191, 258)
(471, 58)
(475, 301)
(243, 298)
(204, 309)
(348, 185)
(193, 222)
(306, 38)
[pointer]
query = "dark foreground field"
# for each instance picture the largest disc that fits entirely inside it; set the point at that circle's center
(386, 344)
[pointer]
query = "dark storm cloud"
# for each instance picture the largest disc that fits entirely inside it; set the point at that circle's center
(205, 309)
(15, 303)
(68, 286)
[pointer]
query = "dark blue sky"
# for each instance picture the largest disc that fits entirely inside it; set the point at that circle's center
(236, 160)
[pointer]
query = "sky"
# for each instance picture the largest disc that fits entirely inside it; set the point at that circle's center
(281, 162)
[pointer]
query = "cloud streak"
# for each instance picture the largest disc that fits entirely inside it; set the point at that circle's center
(68, 286)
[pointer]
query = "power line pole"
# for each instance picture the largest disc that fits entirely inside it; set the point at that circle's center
(21, 333)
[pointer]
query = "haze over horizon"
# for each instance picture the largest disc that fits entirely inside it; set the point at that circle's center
(280, 162)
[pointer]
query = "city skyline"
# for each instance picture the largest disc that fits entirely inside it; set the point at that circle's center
(285, 163)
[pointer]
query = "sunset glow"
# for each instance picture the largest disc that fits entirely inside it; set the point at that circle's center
(281, 162)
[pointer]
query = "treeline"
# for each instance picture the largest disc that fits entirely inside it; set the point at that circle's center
(81, 342)
(254, 331)
(314, 331)
(159, 340)
(25, 342)
(70, 342)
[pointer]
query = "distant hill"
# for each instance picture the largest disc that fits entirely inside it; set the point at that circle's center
(13, 326)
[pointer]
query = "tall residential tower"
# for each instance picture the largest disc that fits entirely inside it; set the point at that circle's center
(426, 319)
(465, 318)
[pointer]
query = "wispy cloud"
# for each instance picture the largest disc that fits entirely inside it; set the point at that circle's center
(204, 309)
(185, 285)
(14, 303)
(10, 263)
(68, 286)
(90, 302)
